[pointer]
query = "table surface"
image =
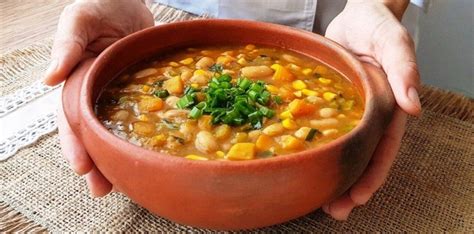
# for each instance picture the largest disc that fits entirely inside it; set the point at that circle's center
(24, 22)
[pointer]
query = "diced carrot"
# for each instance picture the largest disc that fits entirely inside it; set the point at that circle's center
(242, 151)
(174, 85)
(205, 122)
(287, 94)
(264, 142)
(291, 143)
(282, 73)
(299, 107)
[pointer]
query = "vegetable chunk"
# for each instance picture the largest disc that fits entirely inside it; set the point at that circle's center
(242, 151)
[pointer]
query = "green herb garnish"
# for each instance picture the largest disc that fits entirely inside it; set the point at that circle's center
(236, 104)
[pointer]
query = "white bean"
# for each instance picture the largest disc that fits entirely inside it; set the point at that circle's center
(206, 142)
(274, 129)
(185, 75)
(200, 79)
(330, 132)
(171, 101)
(302, 133)
(315, 100)
(145, 72)
(324, 123)
(256, 71)
(290, 58)
(177, 115)
(327, 112)
(204, 63)
(253, 135)
(120, 115)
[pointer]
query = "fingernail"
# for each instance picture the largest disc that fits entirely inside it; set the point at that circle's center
(51, 68)
(414, 98)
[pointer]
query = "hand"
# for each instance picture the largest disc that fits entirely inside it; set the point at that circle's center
(371, 31)
(85, 29)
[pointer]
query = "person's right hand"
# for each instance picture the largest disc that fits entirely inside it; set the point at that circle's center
(86, 28)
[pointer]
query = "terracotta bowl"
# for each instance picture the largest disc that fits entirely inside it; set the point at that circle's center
(219, 194)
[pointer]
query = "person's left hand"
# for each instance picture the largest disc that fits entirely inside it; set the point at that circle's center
(372, 32)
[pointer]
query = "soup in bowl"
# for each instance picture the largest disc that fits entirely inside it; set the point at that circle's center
(228, 124)
(230, 103)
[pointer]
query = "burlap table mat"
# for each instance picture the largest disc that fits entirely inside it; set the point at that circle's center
(430, 187)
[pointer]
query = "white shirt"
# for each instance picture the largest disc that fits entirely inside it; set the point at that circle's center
(311, 15)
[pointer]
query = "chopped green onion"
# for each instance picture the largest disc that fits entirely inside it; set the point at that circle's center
(243, 102)
(277, 100)
(244, 83)
(186, 101)
(195, 113)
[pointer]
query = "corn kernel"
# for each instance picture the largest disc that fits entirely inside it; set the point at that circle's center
(200, 72)
(196, 157)
(220, 154)
(146, 88)
(324, 80)
(187, 61)
(250, 47)
(307, 71)
(272, 89)
(298, 93)
(286, 115)
(242, 61)
(329, 96)
(194, 85)
(321, 70)
(174, 64)
(308, 92)
(289, 124)
(143, 117)
(299, 84)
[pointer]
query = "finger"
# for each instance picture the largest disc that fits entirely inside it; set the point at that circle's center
(71, 147)
(398, 59)
(379, 167)
(98, 185)
(69, 44)
(340, 208)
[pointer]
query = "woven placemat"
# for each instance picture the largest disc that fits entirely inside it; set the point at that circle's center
(430, 187)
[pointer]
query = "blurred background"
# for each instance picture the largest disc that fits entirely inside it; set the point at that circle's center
(445, 37)
(446, 45)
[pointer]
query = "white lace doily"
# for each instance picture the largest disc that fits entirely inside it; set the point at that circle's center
(26, 115)
(21, 97)
(27, 136)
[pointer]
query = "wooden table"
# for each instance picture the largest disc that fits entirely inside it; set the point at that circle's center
(23, 22)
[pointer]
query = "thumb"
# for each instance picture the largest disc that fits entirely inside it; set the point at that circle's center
(398, 59)
(68, 48)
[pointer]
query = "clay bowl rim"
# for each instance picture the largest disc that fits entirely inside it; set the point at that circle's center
(86, 104)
